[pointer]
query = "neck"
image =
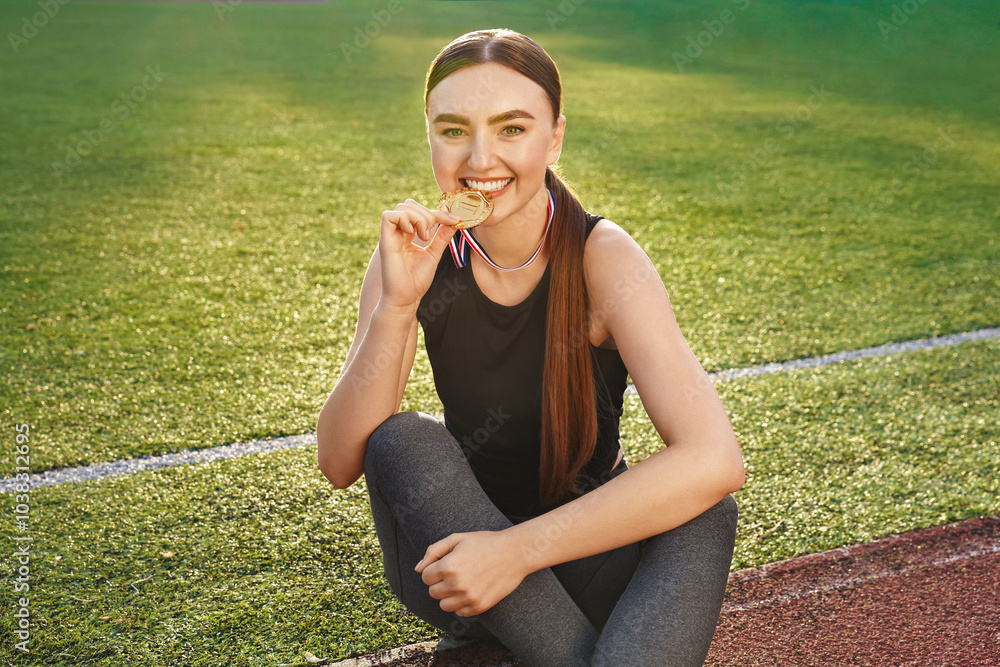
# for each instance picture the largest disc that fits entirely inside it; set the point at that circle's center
(514, 239)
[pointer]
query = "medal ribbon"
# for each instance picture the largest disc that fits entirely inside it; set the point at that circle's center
(464, 242)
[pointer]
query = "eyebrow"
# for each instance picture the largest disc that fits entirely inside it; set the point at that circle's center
(499, 118)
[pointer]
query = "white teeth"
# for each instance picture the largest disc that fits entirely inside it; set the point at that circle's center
(489, 186)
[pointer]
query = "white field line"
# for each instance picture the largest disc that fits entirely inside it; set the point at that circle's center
(188, 456)
(850, 355)
(854, 581)
(128, 466)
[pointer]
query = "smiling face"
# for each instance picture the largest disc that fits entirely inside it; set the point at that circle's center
(492, 128)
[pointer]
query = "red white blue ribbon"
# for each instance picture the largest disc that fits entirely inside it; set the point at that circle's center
(463, 243)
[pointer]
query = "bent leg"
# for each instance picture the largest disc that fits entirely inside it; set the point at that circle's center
(422, 490)
(668, 613)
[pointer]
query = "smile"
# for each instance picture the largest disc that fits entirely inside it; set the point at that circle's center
(488, 186)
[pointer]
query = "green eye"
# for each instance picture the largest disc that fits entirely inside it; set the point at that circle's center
(448, 132)
(517, 130)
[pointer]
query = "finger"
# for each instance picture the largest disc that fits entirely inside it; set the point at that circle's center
(467, 610)
(437, 551)
(440, 590)
(422, 218)
(398, 219)
(446, 218)
(431, 574)
(440, 241)
(426, 220)
(452, 604)
(422, 242)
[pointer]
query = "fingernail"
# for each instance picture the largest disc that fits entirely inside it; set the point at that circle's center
(453, 217)
(416, 568)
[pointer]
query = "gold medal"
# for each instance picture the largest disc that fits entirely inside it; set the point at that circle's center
(472, 206)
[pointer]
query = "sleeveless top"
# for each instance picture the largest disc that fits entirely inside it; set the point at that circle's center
(488, 360)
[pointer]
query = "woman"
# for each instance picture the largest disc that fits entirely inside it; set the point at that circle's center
(518, 519)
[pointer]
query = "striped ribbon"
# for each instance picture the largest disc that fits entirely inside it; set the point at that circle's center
(463, 243)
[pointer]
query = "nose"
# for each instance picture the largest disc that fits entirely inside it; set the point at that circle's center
(483, 156)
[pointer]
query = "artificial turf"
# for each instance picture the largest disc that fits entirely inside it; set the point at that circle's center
(808, 183)
(258, 560)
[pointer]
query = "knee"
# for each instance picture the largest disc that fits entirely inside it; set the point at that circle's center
(713, 529)
(397, 441)
(725, 514)
(385, 441)
(392, 430)
(728, 509)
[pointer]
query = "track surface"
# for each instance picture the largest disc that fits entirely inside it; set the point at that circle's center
(930, 597)
(924, 598)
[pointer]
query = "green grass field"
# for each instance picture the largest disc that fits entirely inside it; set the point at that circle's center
(189, 194)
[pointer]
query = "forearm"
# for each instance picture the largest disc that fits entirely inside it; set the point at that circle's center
(660, 493)
(366, 394)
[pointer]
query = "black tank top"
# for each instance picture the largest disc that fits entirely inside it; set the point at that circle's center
(488, 360)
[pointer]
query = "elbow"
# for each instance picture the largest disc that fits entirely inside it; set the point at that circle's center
(725, 471)
(733, 471)
(332, 465)
(737, 477)
(725, 482)
(340, 482)
(336, 475)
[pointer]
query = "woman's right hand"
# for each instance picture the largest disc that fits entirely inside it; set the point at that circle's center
(408, 268)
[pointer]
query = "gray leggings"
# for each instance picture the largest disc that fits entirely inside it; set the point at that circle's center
(655, 602)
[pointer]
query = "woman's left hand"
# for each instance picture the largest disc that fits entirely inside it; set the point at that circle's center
(471, 572)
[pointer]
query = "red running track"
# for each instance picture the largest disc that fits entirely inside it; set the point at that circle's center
(929, 597)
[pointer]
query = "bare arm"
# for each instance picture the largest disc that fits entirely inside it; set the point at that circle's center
(371, 385)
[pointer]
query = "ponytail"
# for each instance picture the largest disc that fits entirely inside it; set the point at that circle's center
(569, 418)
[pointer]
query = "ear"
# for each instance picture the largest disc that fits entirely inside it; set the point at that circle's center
(556, 148)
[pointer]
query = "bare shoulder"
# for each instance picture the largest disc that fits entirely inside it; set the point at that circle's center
(614, 263)
(605, 236)
(620, 277)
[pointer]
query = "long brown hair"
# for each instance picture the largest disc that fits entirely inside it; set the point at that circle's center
(569, 419)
